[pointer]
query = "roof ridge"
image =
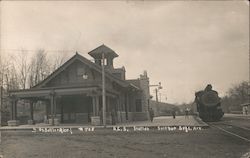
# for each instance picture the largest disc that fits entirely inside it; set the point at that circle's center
(105, 49)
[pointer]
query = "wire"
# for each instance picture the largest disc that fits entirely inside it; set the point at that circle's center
(30, 50)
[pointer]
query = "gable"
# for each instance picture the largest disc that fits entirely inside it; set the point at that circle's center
(69, 75)
(77, 73)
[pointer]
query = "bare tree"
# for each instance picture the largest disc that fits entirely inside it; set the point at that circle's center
(22, 67)
(18, 71)
(236, 95)
(57, 60)
(24, 70)
(239, 92)
(40, 68)
(1, 71)
(10, 76)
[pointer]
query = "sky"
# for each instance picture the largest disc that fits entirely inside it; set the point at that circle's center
(183, 44)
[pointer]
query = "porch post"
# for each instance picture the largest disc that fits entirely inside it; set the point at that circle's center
(126, 105)
(31, 120)
(61, 111)
(97, 105)
(31, 110)
(96, 118)
(12, 108)
(47, 109)
(55, 104)
(52, 106)
(15, 110)
(52, 109)
(94, 105)
(108, 104)
(119, 107)
(13, 121)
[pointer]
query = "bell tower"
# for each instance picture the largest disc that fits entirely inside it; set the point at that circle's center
(109, 56)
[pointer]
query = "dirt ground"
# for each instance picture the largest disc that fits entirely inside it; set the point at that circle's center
(206, 143)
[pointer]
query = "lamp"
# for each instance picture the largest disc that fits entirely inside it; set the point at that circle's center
(85, 76)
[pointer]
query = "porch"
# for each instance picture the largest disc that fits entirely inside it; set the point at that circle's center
(67, 105)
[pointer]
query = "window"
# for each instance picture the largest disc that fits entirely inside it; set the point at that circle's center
(104, 62)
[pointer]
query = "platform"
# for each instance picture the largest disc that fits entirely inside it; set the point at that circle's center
(169, 121)
(191, 121)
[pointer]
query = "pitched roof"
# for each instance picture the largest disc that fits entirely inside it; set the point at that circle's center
(97, 52)
(135, 82)
(86, 61)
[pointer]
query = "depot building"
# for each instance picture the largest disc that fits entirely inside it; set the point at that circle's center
(73, 92)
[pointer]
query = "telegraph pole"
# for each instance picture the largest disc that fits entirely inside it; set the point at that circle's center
(160, 96)
(1, 96)
(156, 93)
(156, 99)
(103, 93)
(248, 88)
(1, 104)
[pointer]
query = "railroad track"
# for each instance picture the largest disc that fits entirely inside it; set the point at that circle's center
(229, 124)
(240, 132)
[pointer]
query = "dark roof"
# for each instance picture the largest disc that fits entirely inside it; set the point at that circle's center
(77, 56)
(135, 82)
(97, 52)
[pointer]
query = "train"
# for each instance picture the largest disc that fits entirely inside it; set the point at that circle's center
(208, 104)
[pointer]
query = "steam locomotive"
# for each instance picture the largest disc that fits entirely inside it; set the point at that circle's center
(208, 104)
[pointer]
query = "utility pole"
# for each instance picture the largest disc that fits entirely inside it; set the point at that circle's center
(103, 93)
(248, 88)
(158, 87)
(1, 96)
(1, 104)
(156, 95)
(160, 96)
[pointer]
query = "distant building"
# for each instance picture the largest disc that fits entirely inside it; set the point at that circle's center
(73, 92)
(245, 108)
(163, 109)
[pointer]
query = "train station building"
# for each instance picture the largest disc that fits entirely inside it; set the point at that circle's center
(73, 92)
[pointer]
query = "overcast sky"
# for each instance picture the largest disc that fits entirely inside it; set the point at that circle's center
(183, 45)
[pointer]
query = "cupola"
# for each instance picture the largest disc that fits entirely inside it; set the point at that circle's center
(109, 55)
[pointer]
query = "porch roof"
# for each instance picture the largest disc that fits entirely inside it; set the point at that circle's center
(59, 91)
